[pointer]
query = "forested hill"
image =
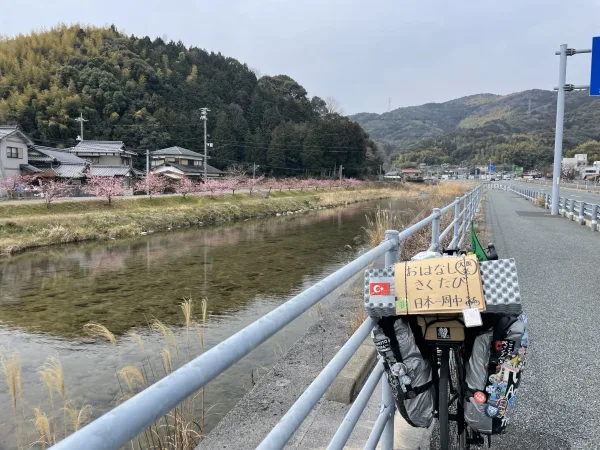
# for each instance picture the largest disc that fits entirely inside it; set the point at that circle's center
(148, 93)
(516, 128)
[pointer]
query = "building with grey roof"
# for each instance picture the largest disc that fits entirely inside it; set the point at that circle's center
(176, 162)
(106, 153)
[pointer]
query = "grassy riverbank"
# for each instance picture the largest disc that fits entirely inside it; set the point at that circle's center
(33, 225)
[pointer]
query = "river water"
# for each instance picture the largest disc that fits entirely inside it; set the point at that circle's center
(243, 270)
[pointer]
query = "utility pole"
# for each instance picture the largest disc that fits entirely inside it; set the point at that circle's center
(204, 117)
(80, 119)
(389, 104)
(341, 168)
(147, 171)
(560, 117)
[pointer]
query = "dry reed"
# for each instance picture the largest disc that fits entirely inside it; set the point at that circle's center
(177, 430)
(42, 425)
(53, 377)
(79, 416)
(98, 330)
(11, 364)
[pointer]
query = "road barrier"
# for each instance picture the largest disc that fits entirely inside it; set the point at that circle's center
(117, 427)
(584, 212)
(582, 185)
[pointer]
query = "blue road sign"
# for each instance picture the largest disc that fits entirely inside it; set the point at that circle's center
(491, 167)
(595, 73)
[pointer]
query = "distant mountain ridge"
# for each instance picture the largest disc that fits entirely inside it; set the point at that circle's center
(484, 125)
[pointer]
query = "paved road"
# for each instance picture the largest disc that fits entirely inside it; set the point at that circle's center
(588, 197)
(558, 269)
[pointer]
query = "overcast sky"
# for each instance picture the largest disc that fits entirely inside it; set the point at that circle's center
(360, 52)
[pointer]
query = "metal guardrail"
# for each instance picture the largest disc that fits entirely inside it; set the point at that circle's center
(583, 185)
(567, 207)
(124, 422)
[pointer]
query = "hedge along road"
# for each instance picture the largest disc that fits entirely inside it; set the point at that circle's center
(558, 269)
(244, 270)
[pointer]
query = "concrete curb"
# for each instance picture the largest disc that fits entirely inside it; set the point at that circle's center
(349, 382)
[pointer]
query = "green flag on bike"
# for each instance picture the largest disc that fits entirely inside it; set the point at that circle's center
(476, 246)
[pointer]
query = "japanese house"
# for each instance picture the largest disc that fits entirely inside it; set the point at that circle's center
(177, 162)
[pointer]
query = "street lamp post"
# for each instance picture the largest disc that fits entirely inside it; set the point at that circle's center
(560, 117)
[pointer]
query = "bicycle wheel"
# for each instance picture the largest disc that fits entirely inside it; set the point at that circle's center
(458, 433)
(443, 400)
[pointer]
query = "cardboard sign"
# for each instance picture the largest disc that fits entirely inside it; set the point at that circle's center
(438, 286)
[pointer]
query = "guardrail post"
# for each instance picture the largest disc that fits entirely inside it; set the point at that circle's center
(546, 201)
(387, 398)
(391, 256)
(435, 230)
(456, 221)
(571, 209)
(465, 212)
(581, 211)
(594, 217)
(561, 202)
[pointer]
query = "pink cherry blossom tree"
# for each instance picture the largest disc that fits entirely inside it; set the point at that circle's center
(53, 189)
(252, 184)
(305, 183)
(13, 183)
(290, 183)
(156, 184)
(272, 183)
(230, 184)
(107, 187)
(185, 186)
(210, 185)
(350, 183)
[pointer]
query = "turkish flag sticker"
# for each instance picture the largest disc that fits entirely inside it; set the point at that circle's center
(379, 288)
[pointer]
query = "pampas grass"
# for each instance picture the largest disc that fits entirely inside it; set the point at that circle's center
(53, 376)
(42, 425)
(100, 331)
(79, 416)
(180, 429)
(11, 364)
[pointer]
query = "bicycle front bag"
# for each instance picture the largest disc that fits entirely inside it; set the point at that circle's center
(495, 355)
(407, 365)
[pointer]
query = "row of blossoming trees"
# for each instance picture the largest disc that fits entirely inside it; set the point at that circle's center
(110, 187)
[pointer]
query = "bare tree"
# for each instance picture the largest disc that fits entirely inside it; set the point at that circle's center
(238, 169)
(334, 106)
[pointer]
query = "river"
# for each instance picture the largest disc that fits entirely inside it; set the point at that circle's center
(244, 271)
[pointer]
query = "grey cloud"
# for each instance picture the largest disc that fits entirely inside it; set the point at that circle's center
(359, 52)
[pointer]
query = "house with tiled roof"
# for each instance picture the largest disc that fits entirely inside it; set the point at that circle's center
(177, 162)
(54, 163)
(106, 153)
(13, 150)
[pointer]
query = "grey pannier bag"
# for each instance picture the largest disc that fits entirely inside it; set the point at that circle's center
(408, 368)
(493, 372)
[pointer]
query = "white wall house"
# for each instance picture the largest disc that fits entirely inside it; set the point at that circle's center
(177, 162)
(13, 150)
